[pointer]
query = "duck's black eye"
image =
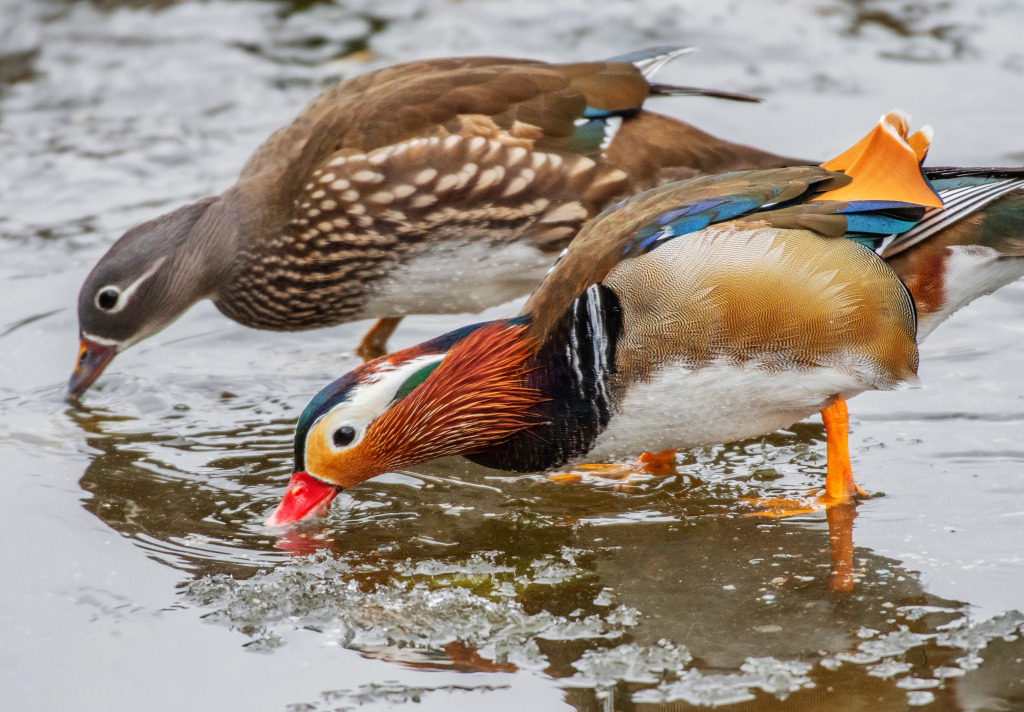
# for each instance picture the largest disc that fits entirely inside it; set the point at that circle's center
(344, 436)
(107, 298)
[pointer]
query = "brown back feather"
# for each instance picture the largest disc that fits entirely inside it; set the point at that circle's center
(400, 102)
(599, 246)
(654, 149)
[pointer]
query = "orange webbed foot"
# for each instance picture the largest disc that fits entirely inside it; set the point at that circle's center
(659, 464)
(815, 501)
(780, 507)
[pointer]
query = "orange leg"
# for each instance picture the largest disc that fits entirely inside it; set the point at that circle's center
(839, 484)
(375, 342)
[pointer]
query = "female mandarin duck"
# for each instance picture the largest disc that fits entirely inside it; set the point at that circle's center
(441, 186)
(705, 311)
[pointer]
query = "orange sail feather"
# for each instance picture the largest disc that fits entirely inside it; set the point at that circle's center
(885, 165)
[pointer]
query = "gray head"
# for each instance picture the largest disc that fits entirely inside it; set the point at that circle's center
(147, 279)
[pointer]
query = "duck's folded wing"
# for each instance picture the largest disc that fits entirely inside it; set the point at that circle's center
(964, 192)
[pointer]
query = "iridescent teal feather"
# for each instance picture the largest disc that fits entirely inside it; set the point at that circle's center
(869, 222)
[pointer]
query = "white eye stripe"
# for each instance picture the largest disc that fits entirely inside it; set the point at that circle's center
(372, 397)
(368, 401)
(127, 292)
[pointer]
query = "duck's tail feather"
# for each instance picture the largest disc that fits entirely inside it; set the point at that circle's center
(971, 248)
(964, 191)
(659, 89)
(651, 61)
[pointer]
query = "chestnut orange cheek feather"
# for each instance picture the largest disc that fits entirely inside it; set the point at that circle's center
(343, 469)
(475, 398)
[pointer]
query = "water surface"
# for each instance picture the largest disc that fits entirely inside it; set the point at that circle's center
(138, 575)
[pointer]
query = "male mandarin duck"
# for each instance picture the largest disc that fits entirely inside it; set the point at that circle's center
(704, 311)
(440, 186)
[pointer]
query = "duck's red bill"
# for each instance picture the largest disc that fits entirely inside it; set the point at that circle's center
(305, 497)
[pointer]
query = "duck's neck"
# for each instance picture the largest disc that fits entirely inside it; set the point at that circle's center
(573, 373)
(212, 244)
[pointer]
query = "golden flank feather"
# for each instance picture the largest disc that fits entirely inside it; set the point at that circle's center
(765, 298)
(598, 248)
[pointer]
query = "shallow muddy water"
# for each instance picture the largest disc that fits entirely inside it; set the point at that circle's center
(137, 574)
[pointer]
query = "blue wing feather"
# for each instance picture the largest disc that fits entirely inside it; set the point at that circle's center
(882, 225)
(868, 222)
(688, 219)
(864, 206)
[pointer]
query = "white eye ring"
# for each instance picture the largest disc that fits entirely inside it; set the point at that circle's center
(109, 299)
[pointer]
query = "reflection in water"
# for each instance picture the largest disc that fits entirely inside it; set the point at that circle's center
(659, 597)
(840, 538)
(652, 598)
(199, 520)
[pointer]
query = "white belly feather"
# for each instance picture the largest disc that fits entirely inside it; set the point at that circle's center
(447, 278)
(718, 403)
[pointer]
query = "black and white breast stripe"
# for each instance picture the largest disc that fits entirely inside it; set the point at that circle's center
(578, 360)
(958, 203)
(590, 349)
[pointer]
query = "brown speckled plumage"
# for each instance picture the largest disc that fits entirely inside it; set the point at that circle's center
(343, 206)
(470, 149)
(359, 213)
